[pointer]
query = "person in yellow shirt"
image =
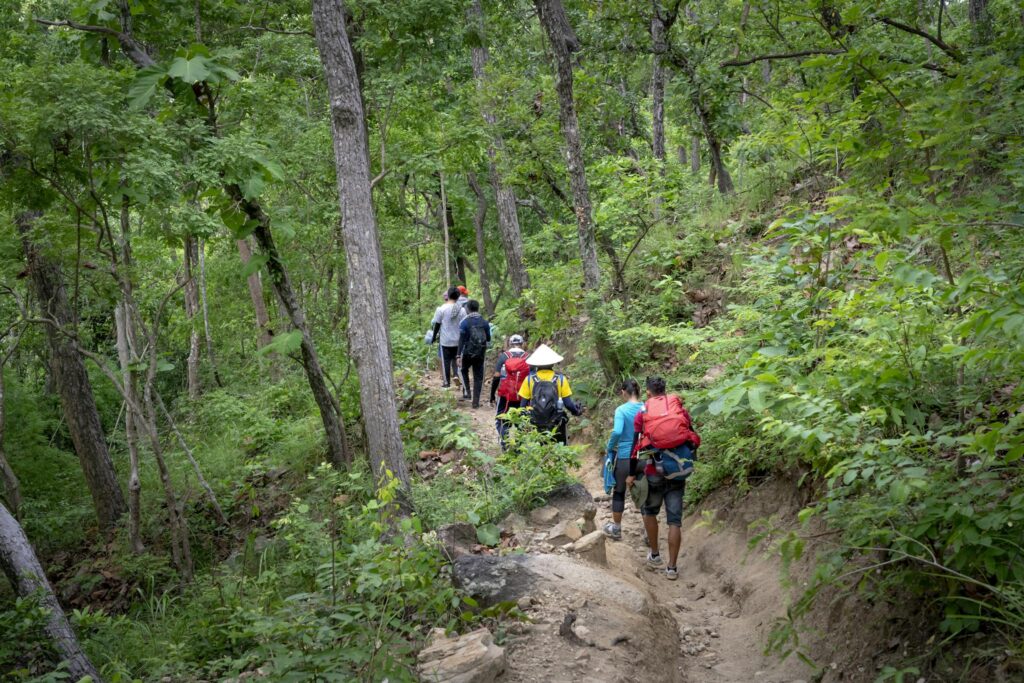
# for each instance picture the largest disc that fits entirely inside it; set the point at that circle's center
(547, 394)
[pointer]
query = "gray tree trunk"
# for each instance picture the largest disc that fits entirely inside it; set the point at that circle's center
(368, 316)
(695, 154)
(264, 331)
(11, 488)
(563, 44)
(202, 297)
(504, 197)
(191, 309)
(19, 562)
(122, 320)
(481, 252)
(72, 380)
(658, 85)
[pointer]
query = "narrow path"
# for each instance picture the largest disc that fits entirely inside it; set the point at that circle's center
(720, 607)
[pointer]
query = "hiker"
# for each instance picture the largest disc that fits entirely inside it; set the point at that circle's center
(618, 457)
(509, 375)
(474, 336)
(664, 439)
(447, 319)
(463, 298)
(547, 394)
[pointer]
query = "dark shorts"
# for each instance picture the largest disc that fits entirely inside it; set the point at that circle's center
(668, 492)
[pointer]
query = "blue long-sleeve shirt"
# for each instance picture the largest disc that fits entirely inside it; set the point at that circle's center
(621, 440)
(472, 320)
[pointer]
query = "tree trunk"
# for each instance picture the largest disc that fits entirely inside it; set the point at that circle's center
(203, 301)
(563, 43)
(368, 321)
(19, 562)
(718, 169)
(658, 86)
(981, 21)
(334, 426)
(191, 309)
(11, 488)
(122, 320)
(504, 197)
(447, 237)
(695, 154)
(72, 380)
(264, 331)
(481, 252)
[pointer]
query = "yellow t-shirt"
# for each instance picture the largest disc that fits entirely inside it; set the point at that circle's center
(526, 390)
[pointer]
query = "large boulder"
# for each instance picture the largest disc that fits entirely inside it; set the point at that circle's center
(544, 515)
(492, 579)
(472, 658)
(591, 548)
(570, 497)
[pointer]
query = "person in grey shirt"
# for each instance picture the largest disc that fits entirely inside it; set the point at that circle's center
(447, 319)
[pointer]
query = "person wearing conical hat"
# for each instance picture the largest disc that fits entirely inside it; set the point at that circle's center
(547, 395)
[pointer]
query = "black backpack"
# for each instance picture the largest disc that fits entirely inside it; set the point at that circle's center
(476, 345)
(545, 411)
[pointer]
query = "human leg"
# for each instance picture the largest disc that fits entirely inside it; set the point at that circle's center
(650, 510)
(450, 352)
(619, 492)
(674, 519)
(477, 364)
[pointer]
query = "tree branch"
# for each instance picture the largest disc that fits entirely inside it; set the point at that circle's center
(780, 55)
(279, 31)
(132, 48)
(934, 40)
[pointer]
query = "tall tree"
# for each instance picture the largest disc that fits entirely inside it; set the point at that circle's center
(504, 197)
(481, 242)
(368, 314)
(564, 43)
(72, 380)
(21, 566)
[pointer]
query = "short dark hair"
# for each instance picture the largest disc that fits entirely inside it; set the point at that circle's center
(631, 387)
(655, 386)
(473, 306)
(453, 294)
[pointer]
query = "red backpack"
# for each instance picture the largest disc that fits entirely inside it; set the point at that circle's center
(667, 424)
(516, 372)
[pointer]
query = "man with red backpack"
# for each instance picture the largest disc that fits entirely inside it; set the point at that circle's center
(509, 374)
(664, 441)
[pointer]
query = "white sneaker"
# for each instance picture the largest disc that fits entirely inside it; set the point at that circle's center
(653, 560)
(671, 573)
(613, 531)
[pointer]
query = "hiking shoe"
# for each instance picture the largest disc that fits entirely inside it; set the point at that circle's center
(653, 560)
(671, 573)
(613, 531)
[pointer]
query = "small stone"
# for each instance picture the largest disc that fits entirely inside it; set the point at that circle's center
(544, 515)
(428, 455)
(564, 533)
(582, 631)
(447, 457)
(524, 603)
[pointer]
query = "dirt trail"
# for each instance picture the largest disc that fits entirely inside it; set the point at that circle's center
(631, 623)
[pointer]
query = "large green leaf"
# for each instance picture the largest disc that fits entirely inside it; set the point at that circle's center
(192, 70)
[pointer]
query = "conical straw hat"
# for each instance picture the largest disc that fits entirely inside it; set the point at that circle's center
(544, 355)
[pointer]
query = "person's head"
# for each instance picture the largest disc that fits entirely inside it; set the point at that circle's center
(655, 386)
(544, 357)
(473, 306)
(462, 290)
(515, 341)
(630, 388)
(453, 294)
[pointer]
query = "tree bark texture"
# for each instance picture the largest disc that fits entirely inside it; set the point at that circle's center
(658, 85)
(504, 197)
(563, 44)
(368, 317)
(122, 320)
(481, 251)
(204, 304)
(191, 309)
(72, 380)
(19, 562)
(695, 154)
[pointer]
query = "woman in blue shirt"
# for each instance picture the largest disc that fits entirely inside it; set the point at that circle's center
(620, 446)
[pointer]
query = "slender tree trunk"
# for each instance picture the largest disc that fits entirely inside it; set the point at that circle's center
(447, 239)
(211, 497)
(334, 426)
(72, 380)
(504, 197)
(368, 321)
(658, 86)
(11, 487)
(203, 303)
(718, 169)
(19, 562)
(563, 43)
(122, 320)
(191, 309)
(695, 154)
(264, 331)
(481, 252)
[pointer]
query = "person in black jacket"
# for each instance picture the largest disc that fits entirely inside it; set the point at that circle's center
(474, 336)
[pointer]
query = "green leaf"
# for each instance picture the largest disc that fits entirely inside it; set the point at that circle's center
(488, 534)
(285, 343)
(144, 86)
(755, 396)
(254, 264)
(192, 70)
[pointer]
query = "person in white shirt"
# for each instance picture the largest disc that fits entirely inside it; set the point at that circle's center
(447, 319)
